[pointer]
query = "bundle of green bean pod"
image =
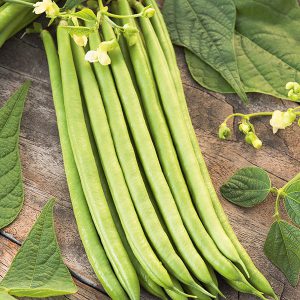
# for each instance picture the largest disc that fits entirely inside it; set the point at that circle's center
(14, 17)
(145, 207)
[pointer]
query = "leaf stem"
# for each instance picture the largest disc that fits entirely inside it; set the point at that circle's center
(248, 116)
(277, 202)
(121, 16)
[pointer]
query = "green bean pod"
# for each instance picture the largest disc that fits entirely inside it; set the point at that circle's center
(146, 282)
(114, 173)
(22, 23)
(150, 162)
(88, 171)
(200, 296)
(132, 174)
(11, 27)
(169, 160)
(256, 277)
(175, 296)
(182, 142)
(87, 231)
(11, 13)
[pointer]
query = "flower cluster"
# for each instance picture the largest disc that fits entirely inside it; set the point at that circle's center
(279, 119)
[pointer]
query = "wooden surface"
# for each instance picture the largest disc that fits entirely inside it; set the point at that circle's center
(44, 175)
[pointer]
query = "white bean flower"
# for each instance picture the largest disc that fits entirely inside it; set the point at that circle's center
(80, 40)
(101, 53)
(281, 120)
(49, 7)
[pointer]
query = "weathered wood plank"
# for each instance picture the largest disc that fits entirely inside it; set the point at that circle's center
(44, 174)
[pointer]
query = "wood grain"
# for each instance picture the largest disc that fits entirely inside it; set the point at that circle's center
(44, 174)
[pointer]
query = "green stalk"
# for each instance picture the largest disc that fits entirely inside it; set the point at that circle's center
(86, 228)
(256, 277)
(88, 171)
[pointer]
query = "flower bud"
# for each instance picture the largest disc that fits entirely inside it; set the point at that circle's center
(244, 127)
(148, 12)
(252, 139)
(293, 96)
(80, 40)
(131, 34)
(224, 131)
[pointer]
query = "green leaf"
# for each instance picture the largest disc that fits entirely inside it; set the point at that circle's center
(207, 29)
(5, 296)
(247, 187)
(292, 201)
(70, 4)
(11, 185)
(206, 75)
(85, 14)
(38, 269)
(267, 49)
(78, 30)
(282, 248)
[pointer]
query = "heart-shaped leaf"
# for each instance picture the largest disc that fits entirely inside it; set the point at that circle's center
(11, 185)
(267, 49)
(247, 187)
(38, 269)
(207, 29)
(292, 201)
(282, 248)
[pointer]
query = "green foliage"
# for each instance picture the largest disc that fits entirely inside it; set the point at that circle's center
(85, 14)
(247, 187)
(266, 46)
(250, 186)
(78, 30)
(282, 247)
(38, 269)
(292, 201)
(208, 31)
(11, 185)
(70, 4)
